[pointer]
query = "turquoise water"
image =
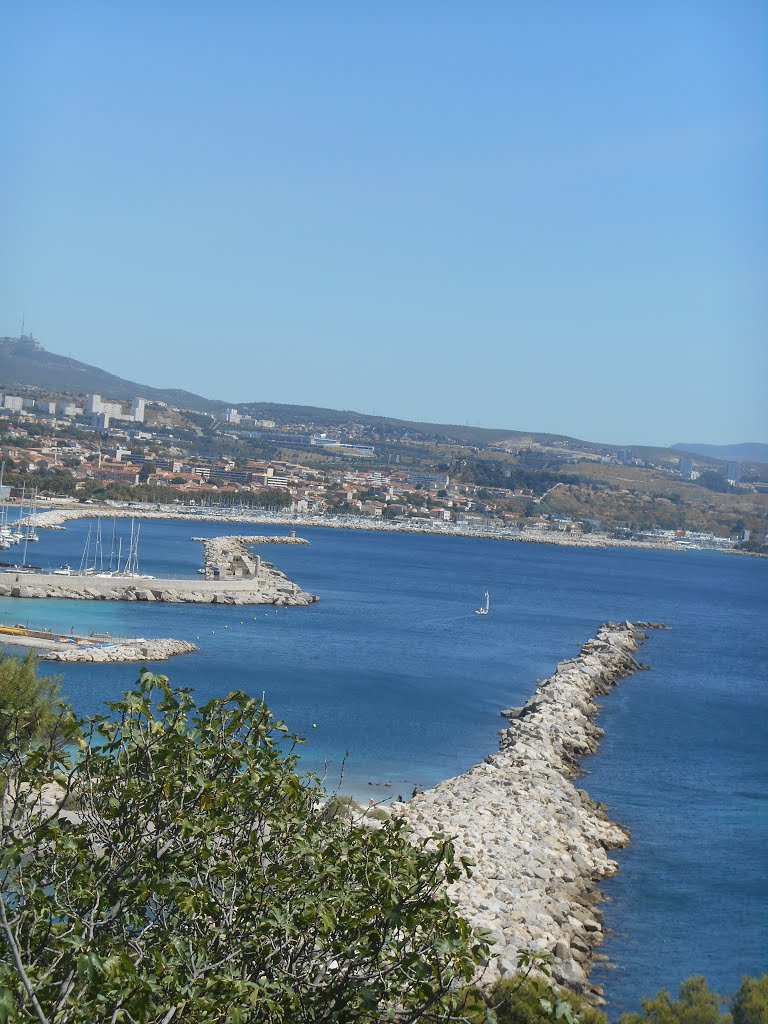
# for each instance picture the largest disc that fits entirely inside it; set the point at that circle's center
(393, 666)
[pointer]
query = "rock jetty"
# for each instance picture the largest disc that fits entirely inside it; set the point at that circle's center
(540, 845)
(48, 647)
(129, 650)
(231, 557)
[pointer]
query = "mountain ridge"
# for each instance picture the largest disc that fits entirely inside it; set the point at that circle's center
(25, 362)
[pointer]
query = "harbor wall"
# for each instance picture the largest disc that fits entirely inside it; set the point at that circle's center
(271, 587)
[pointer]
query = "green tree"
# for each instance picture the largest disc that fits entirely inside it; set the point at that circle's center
(187, 872)
(713, 481)
(697, 1004)
(750, 1004)
(31, 707)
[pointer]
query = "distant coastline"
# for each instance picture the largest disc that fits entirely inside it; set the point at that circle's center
(55, 518)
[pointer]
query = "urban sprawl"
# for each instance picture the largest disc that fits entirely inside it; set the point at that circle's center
(89, 448)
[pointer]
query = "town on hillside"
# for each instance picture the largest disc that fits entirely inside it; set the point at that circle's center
(96, 448)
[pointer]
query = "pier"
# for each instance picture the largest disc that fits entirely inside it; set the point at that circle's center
(270, 587)
(232, 575)
(96, 647)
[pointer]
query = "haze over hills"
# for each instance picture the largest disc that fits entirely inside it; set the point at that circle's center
(25, 362)
(747, 451)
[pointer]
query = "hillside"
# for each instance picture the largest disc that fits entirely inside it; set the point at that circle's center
(25, 362)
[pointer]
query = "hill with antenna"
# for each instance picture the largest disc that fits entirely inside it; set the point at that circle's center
(25, 362)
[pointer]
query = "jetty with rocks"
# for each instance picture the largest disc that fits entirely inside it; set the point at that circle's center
(539, 844)
(231, 557)
(97, 647)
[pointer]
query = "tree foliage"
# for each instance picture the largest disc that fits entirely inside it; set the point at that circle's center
(696, 1004)
(31, 707)
(750, 1004)
(185, 871)
(713, 481)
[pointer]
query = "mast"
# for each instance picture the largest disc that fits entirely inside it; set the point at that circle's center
(136, 551)
(112, 545)
(97, 551)
(86, 551)
(127, 567)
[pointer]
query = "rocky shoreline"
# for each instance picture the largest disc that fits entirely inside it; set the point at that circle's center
(54, 519)
(540, 845)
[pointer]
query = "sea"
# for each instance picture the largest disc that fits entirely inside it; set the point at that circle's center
(396, 683)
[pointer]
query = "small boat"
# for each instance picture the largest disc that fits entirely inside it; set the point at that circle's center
(485, 608)
(65, 570)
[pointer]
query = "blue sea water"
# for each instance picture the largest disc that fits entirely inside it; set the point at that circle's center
(393, 667)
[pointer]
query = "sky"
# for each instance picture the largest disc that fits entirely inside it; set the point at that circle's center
(536, 215)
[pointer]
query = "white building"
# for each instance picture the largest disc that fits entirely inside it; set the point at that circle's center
(137, 410)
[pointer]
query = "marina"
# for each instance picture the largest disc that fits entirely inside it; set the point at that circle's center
(233, 574)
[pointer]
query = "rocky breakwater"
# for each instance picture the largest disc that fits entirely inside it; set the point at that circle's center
(540, 845)
(231, 557)
(127, 650)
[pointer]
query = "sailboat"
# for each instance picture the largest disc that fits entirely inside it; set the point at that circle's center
(131, 566)
(485, 607)
(31, 534)
(5, 530)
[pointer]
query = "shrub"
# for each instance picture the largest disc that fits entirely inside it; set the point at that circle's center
(197, 882)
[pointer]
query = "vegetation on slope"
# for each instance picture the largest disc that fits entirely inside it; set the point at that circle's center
(182, 870)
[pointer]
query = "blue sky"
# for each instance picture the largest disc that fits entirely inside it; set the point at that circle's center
(538, 215)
